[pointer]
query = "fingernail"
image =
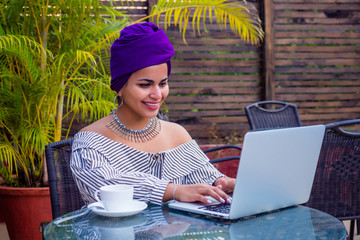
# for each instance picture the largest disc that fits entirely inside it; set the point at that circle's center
(229, 200)
(208, 201)
(222, 200)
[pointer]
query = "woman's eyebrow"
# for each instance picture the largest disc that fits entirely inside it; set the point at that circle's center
(150, 80)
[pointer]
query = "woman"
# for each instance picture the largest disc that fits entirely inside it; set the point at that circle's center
(131, 145)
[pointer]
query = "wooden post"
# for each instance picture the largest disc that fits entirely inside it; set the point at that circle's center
(150, 4)
(269, 46)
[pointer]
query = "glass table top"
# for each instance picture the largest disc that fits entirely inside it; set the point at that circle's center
(159, 222)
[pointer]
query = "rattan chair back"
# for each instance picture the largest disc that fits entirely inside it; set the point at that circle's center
(64, 194)
(336, 188)
(272, 114)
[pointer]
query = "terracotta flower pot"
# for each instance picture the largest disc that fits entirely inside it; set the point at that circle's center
(23, 210)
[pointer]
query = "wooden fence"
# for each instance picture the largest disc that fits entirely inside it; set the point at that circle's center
(310, 56)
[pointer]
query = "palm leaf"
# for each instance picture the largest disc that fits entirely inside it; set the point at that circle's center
(241, 16)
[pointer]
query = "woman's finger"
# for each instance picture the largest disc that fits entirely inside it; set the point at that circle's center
(218, 194)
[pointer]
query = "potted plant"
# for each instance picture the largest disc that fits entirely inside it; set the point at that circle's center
(53, 67)
(51, 61)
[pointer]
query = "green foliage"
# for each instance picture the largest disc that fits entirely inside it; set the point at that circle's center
(241, 16)
(51, 59)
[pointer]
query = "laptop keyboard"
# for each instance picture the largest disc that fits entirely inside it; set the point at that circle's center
(222, 208)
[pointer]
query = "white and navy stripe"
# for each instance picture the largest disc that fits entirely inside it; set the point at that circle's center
(97, 161)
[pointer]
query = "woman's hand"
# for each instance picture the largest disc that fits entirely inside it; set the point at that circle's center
(225, 183)
(197, 193)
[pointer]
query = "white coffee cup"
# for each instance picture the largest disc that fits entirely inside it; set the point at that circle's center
(115, 198)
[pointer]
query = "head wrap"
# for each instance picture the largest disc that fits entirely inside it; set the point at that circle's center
(139, 46)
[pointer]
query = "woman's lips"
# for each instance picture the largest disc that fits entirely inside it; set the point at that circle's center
(152, 106)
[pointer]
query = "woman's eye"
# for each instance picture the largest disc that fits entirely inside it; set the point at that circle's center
(144, 85)
(163, 83)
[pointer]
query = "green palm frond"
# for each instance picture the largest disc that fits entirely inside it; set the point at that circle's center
(51, 58)
(242, 17)
(84, 93)
(9, 156)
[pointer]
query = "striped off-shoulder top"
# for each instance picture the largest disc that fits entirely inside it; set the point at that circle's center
(97, 160)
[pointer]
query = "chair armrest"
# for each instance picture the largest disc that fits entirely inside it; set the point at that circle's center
(225, 159)
(221, 147)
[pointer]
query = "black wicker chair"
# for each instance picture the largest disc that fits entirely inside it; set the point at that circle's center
(336, 188)
(272, 114)
(64, 194)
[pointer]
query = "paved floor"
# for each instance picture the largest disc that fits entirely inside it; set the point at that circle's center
(4, 235)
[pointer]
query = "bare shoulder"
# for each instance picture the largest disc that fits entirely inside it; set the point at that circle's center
(98, 126)
(174, 129)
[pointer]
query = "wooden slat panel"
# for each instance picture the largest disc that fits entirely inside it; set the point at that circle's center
(196, 49)
(315, 49)
(322, 62)
(319, 27)
(211, 69)
(330, 110)
(319, 77)
(318, 70)
(125, 4)
(205, 55)
(213, 113)
(217, 63)
(329, 103)
(317, 67)
(212, 106)
(217, 85)
(318, 58)
(319, 55)
(331, 117)
(318, 14)
(324, 21)
(317, 97)
(215, 91)
(211, 99)
(212, 78)
(312, 34)
(315, 6)
(320, 83)
(316, 41)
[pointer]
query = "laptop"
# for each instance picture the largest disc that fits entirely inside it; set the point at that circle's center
(276, 170)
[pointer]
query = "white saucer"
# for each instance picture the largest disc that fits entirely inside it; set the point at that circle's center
(135, 208)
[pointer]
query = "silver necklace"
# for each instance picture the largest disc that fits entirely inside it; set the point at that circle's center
(143, 135)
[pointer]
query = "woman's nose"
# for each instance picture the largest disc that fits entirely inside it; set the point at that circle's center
(155, 92)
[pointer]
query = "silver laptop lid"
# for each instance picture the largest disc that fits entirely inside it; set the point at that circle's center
(276, 169)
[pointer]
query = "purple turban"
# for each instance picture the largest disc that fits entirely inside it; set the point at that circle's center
(139, 46)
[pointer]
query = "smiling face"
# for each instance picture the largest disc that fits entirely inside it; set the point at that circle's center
(145, 91)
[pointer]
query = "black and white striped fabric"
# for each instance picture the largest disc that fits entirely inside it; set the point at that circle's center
(97, 161)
